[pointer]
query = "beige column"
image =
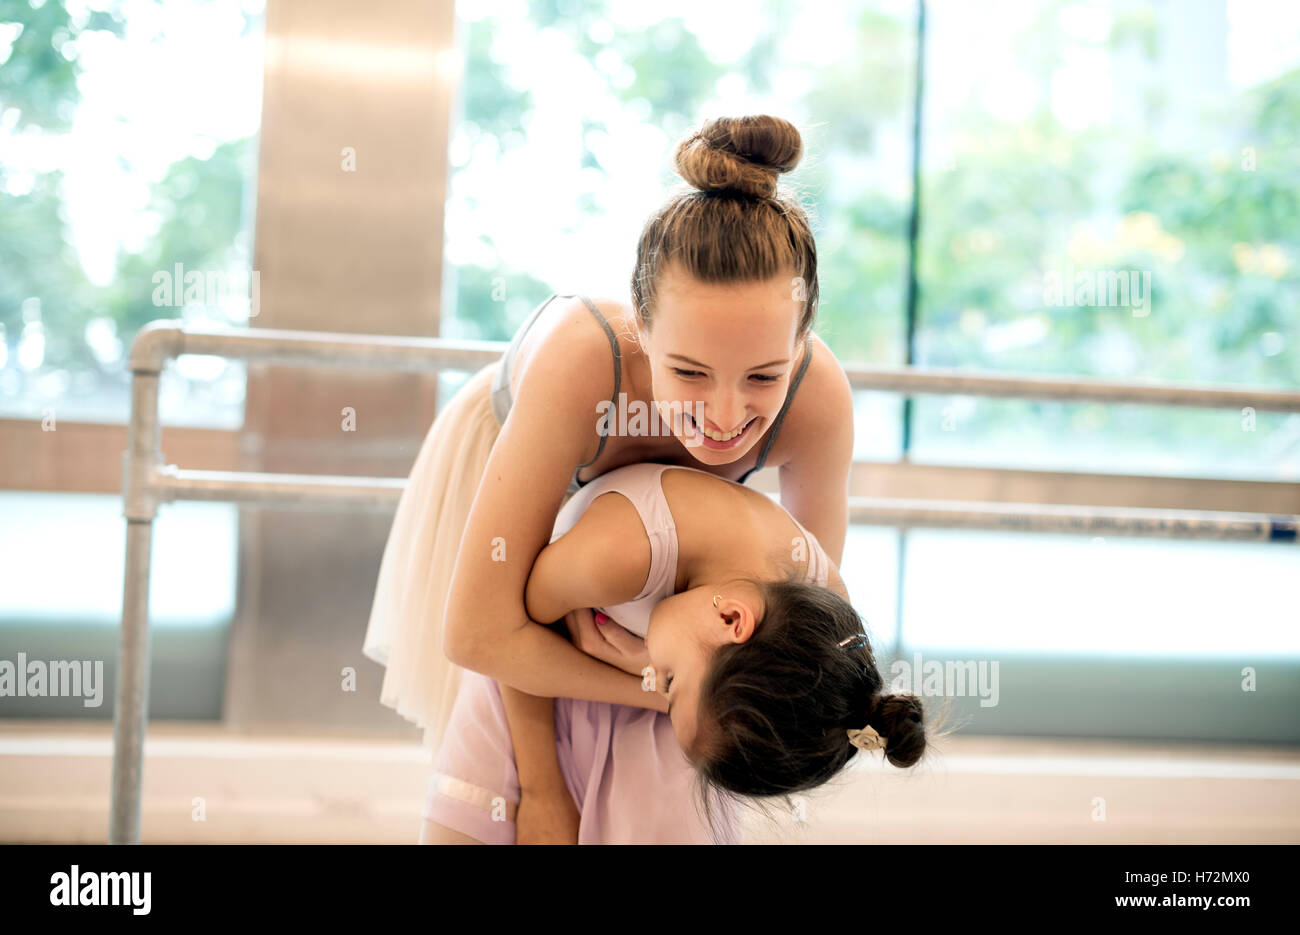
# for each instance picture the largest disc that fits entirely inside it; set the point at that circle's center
(352, 180)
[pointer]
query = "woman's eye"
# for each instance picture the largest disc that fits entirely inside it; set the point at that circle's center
(759, 377)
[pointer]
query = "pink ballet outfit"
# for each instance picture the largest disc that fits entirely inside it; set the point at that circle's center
(623, 766)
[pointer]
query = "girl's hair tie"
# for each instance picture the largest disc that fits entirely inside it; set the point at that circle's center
(866, 739)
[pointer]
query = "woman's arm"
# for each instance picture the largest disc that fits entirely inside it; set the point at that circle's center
(818, 438)
(550, 429)
(836, 583)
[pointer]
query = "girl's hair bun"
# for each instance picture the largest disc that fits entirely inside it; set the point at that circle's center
(900, 720)
(742, 154)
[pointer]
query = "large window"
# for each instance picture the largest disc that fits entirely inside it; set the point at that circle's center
(124, 198)
(1109, 190)
(128, 145)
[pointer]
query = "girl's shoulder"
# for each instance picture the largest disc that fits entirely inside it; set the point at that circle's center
(715, 504)
(715, 514)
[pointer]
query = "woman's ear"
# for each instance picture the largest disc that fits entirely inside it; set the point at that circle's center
(639, 334)
(800, 346)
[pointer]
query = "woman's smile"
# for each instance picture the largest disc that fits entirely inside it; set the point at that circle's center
(716, 441)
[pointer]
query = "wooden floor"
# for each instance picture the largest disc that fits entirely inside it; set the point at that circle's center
(54, 782)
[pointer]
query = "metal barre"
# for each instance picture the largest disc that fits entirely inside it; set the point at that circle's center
(323, 491)
(160, 340)
(1073, 520)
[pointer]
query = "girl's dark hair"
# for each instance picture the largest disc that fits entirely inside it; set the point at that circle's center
(775, 710)
(734, 224)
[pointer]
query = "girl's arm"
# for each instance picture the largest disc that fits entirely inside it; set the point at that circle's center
(603, 560)
(551, 428)
(554, 818)
(532, 733)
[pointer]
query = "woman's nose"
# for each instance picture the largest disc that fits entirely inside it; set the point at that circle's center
(726, 414)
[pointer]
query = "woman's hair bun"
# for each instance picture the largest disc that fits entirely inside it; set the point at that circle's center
(743, 154)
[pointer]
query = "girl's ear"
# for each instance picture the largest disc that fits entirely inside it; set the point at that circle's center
(738, 618)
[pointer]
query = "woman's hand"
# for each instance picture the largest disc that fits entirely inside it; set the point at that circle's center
(607, 641)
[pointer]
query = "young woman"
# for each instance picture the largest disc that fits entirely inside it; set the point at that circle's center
(724, 292)
(727, 605)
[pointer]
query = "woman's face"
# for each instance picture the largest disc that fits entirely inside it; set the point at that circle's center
(721, 356)
(684, 633)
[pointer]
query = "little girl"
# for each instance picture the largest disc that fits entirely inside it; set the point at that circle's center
(770, 681)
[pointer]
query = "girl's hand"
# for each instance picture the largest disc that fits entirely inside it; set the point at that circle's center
(546, 817)
(607, 641)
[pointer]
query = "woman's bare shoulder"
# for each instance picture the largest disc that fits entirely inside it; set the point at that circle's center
(565, 353)
(825, 378)
(822, 409)
(567, 340)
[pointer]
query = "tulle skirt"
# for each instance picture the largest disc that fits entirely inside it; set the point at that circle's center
(404, 633)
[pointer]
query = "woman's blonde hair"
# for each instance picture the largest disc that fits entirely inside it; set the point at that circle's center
(734, 223)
